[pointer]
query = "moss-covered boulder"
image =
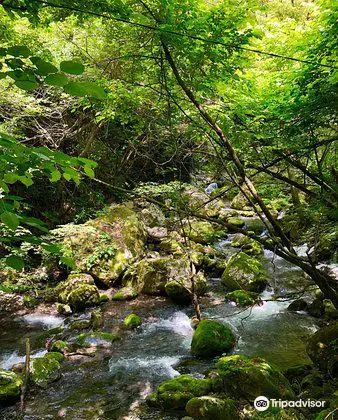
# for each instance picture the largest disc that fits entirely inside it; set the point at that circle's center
(247, 245)
(236, 221)
(79, 291)
(202, 231)
(105, 246)
(46, 369)
(244, 272)
(316, 307)
(171, 245)
(125, 293)
(239, 202)
(151, 276)
(211, 408)
(243, 298)
(151, 214)
(212, 338)
(240, 376)
(132, 321)
(10, 387)
(96, 339)
(59, 346)
(180, 291)
(297, 305)
(80, 325)
(322, 348)
(174, 394)
(63, 309)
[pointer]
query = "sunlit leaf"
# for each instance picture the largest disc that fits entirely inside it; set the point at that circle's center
(10, 220)
(15, 262)
(72, 67)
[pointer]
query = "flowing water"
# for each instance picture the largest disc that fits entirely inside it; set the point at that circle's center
(114, 385)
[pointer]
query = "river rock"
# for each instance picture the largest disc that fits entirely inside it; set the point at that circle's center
(132, 321)
(96, 339)
(322, 349)
(10, 387)
(247, 245)
(236, 221)
(240, 376)
(243, 298)
(151, 276)
(316, 308)
(125, 293)
(174, 394)
(79, 291)
(106, 246)
(240, 202)
(212, 338)
(199, 231)
(244, 272)
(211, 408)
(297, 305)
(179, 290)
(46, 369)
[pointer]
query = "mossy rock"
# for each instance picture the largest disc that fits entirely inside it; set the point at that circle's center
(240, 376)
(96, 319)
(244, 272)
(211, 408)
(174, 394)
(212, 338)
(104, 246)
(80, 324)
(202, 232)
(59, 346)
(96, 339)
(30, 301)
(329, 309)
(152, 215)
(276, 413)
(322, 349)
(63, 309)
(79, 292)
(171, 245)
(10, 387)
(247, 245)
(317, 308)
(125, 293)
(46, 369)
(180, 291)
(236, 221)
(240, 202)
(243, 298)
(132, 321)
(297, 305)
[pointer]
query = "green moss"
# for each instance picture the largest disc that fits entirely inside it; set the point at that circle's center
(10, 386)
(132, 321)
(79, 325)
(212, 338)
(244, 272)
(240, 376)
(322, 347)
(211, 408)
(96, 319)
(103, 298)
(96, 339)
(30, 301)
(176, 392)
(59, 346)
(247, 245)
(236, 221)
(200, 231)
(126, 293)
(46, 369)
(178, 292)
(55, 355)
(79, 291)
(171, 245)
(242, 298)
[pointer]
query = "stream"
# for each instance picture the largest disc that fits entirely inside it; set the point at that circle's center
(114, 385)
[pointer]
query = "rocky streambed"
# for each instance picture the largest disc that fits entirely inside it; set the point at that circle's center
(123, 323)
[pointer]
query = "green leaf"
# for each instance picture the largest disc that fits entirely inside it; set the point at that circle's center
(10, 178)
(58, 80)
(68, 261)
(85, 89)
(44, 67)
(3, 52)
(10, 220)
(19, 51)
(72, 67)
(15, 262)
(52, 248)
(89, 171)
(26, 180)
(55, 176)
(27, 85)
